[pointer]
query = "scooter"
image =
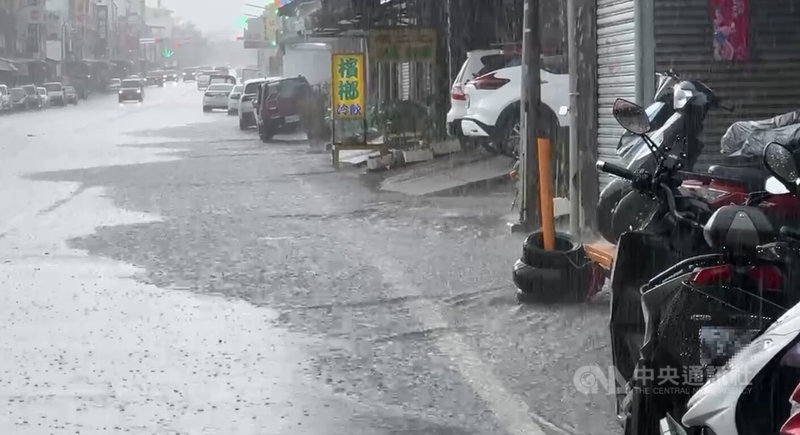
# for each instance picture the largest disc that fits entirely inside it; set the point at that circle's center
(749, 395)
(731, 182)
(675, 231)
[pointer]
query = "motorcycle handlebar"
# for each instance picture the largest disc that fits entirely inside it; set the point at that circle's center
(613, 169)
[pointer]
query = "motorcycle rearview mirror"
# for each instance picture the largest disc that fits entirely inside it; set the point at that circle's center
(781, 163)
(631, 116)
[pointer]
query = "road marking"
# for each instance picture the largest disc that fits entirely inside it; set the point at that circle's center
(510, 410)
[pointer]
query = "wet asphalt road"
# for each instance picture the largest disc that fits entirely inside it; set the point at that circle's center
(164, 272)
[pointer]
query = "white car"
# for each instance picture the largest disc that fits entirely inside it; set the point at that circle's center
(493, 106)
(55, 93)
(233, 99)
(216, 96)
(475, 65)
(5, 99)
(42, 93)
(247, 117)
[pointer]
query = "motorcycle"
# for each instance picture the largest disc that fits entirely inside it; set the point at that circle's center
(677, 227)
(749, 395)
(620, 210)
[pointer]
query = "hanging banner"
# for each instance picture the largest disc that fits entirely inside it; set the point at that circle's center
(731, 21)
(402, 44)
(348, 93)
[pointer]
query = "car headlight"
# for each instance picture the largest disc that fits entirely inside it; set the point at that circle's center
(681, 98)
(138, 91)
(120, 91)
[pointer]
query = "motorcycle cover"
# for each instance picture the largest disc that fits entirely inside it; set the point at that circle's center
(749, 138)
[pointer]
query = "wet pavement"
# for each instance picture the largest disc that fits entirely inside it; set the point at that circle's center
(164, 272)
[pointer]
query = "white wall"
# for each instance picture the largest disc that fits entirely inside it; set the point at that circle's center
(311, 60)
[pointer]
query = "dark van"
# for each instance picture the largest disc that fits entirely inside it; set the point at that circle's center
(281, 102)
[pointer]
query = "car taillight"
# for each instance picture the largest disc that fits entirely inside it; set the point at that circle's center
(489, 82)
(457, 93)
(792, 426)
(713, 275)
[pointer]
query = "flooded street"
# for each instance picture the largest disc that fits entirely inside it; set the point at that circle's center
(165, 272)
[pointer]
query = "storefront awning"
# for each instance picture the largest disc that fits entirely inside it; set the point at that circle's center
(7, 66)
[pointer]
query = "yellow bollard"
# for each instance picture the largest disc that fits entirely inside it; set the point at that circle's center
(546, 194)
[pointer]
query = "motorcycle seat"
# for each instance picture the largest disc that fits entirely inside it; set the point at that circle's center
(753, 178)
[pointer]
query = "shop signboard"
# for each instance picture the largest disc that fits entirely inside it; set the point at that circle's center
(401, 44)
(731, 21)
(348, 93)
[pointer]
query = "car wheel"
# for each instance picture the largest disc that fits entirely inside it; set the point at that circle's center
(265, 133)
(231, 112)
(206, 109)
(242, 125)
(509, 134)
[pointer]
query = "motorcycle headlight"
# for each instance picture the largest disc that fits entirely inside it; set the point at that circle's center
(681, 98)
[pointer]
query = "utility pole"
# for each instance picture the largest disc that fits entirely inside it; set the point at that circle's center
(574, 162)
(530, 216)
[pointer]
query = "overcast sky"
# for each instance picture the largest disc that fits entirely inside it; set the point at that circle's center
(217, 18)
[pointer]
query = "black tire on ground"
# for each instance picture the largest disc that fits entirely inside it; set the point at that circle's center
(206, 109)
(242, 124)
(231, 112)
(562, 275)
(264, 133)
(611, 195)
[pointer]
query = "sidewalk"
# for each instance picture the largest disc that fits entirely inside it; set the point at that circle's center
(449, 174)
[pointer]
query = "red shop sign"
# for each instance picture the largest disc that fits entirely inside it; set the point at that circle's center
(731, 21)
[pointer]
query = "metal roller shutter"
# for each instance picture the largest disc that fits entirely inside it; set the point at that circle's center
(765, 87)
(616, 71)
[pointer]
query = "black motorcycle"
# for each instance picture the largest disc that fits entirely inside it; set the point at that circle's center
(684, 310)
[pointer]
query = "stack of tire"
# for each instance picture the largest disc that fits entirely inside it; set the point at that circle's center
(562, 275)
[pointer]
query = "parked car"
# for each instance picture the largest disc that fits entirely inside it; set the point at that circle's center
(216, 96)
(113, 85)
(281, 102)
(5, 99)
(493, 104)
(171, 76)
(32, 100)
(478, 62)
(131, 89)
(70, 95)
(248, 102)
(233, 99)
(18, 99)
(42, 94)
(55, 93)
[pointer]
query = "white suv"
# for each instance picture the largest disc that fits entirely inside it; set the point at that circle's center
(249, 94)
(5, 99)
(478, 63)
(492, 102)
